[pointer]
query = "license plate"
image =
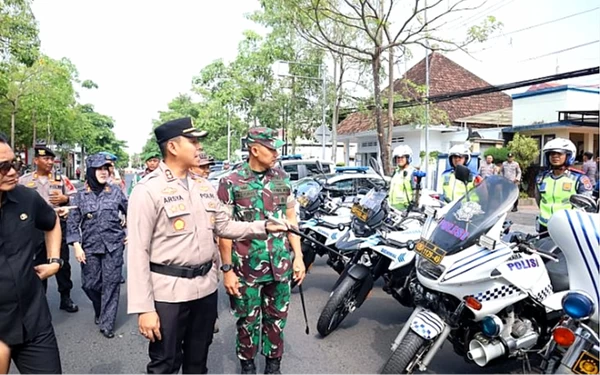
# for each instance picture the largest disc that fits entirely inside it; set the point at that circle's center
(360, 212)
(430, 251)
(586, 364)
(303, 201)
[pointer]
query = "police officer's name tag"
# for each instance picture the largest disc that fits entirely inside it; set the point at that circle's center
(171, 199)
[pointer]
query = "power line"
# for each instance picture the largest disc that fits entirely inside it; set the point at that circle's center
(543, 23)
(483, 13)
(562, 50)
(481, 91)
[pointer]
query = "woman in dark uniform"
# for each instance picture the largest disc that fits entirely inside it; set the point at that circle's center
(97, 234)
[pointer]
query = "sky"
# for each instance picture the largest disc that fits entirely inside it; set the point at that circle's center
(142, 54)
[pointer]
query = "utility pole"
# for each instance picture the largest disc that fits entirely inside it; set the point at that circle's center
(426, 101)
(323, 120)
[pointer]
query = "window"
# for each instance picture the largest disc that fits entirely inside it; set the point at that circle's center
(292, 170)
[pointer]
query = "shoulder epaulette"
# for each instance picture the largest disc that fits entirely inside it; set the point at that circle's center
(576, 170)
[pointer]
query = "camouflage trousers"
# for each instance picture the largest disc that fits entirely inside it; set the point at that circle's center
(266, 303)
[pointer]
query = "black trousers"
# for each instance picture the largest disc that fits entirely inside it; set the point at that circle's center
(187, 332)
(63, 276)
(39, 355)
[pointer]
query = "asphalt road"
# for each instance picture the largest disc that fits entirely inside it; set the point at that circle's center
(360, 345)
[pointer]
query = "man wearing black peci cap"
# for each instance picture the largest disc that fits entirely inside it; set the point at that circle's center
(25, 320)
(56, 190)
(172, 255)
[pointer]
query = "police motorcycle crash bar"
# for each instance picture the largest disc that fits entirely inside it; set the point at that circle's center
(385, 238)
(574, 345)
(488, 297)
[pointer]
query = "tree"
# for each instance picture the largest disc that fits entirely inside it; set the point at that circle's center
(18, 32)
(525, 149)
(500, 155)
(374, 33)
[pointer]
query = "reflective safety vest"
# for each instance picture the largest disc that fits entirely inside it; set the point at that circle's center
(401, 188)
(555, 194)
(454, 189)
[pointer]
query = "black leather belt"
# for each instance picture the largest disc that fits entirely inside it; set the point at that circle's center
(179, 271)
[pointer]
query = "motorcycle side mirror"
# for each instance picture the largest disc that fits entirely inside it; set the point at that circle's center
(584, 202)
(462, 173)
(319, 166)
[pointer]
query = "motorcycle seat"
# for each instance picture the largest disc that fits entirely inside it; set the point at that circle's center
(558, 273)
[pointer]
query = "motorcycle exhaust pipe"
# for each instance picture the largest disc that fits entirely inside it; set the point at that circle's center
(482, 349)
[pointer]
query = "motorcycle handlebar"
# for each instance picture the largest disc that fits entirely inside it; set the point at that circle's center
(544, 254)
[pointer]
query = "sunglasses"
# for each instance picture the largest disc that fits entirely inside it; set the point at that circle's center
(6, 166)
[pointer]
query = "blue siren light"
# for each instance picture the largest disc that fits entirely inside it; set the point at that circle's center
(578, 305)
(491, 326)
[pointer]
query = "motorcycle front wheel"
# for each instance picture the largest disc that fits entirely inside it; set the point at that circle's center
(342, 301)
(402, 360)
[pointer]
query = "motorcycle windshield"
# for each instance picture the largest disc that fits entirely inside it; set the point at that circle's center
(474, 214)
(372, 201)
(307, 192)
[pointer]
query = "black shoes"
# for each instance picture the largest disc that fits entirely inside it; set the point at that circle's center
(514, 209)
(67, 304)
(248, 366)
(273, 366)
(97, 320)
(108, 334)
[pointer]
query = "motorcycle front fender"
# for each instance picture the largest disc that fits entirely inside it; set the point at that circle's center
(427, 324)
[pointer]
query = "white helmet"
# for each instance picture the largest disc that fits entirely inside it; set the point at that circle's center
(402, 150)
(459, 150)
(562, 145)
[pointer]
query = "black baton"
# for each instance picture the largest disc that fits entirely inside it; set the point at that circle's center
(306, 237)
(303, 308)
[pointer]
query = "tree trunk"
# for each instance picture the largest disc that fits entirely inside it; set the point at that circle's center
(338, 103)
(384, 148)
(335, 109)
(34, 121)
(390, 127)
(13, 115)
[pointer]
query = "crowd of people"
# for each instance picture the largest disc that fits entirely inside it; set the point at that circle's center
(182, 234)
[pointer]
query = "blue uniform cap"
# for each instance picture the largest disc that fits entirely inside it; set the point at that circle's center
(98, 160)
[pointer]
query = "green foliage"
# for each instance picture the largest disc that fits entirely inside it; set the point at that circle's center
(525, 150)
(18, 33)
(499, 154)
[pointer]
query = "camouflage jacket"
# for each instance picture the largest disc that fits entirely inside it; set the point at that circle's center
(251, 198)
(95, 223)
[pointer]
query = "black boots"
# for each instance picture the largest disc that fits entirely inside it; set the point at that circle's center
(273, 366)
(248, 366)
(66, 303)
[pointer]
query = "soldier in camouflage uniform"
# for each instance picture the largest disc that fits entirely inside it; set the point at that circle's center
(96, 232)
(257, 273)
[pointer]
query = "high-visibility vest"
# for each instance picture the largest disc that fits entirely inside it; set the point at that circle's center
(454, 189)
(555, 194)
(401, 188)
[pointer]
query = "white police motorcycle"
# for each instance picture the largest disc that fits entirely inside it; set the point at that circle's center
(574, 345)
(488, 297)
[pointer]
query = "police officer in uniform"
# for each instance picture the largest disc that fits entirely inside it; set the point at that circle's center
(172, 278)
(403, 183)
(512, 171)
(203, 168)
(257, 273)
(56, 190)
(452, 189)
(25, 320)
(96, 232)
(556, 184)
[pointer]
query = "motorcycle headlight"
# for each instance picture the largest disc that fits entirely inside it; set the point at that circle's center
(429, 270)
(578, 305)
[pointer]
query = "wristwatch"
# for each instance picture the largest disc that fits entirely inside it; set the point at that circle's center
(227, 267)
(56, 260)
